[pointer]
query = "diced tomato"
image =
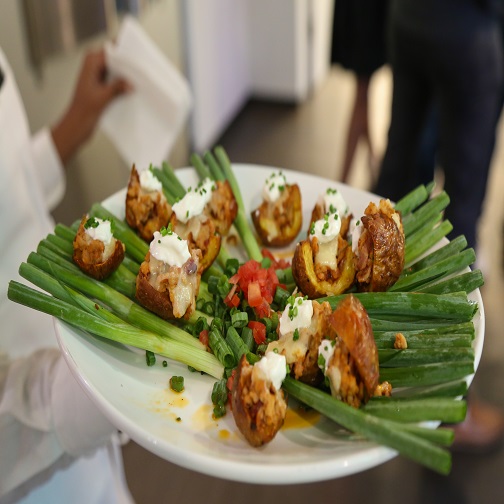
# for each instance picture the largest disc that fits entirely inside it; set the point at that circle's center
(257, 284)
(203, 337)
(235, 279)
(275, 263)
(232, 300)
(258, 331)
(263, 310)
(254, 296)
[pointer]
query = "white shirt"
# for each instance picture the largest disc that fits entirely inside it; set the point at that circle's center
(55, 446)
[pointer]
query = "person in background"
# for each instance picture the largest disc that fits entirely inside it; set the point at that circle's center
(447, 54)
(55, 445)
(358, 45)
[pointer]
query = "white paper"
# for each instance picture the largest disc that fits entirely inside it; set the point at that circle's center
(145, 123)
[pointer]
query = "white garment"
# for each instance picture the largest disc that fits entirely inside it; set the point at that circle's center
(55, 446)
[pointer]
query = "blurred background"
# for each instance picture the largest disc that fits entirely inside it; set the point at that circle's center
(263, 86)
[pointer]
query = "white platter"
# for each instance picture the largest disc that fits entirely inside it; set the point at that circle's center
(179, 427)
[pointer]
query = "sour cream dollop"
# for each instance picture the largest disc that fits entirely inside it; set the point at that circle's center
(274, 186)
(274, 368)
(296, 315)
(326, 229)
(169, 248)
(148, 181)
(325, 352)
(334, 201)
(194, 202)
(102, 231)
(355, 231)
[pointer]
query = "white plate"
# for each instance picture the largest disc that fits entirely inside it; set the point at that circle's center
(179, 427)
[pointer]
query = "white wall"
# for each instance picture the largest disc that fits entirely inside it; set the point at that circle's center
(216, 40)
(279, 49)
(321, 19)
(46, 97)
(290, 44)
(237, 49)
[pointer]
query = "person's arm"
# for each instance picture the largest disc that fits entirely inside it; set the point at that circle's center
(44, 413)
(93, 92)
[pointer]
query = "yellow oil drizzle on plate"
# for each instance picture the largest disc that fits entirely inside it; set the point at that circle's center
(224, 434)
(300, 418)
(202, 418)
(166, 402)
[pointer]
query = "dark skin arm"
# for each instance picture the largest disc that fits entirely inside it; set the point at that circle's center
(93, 92)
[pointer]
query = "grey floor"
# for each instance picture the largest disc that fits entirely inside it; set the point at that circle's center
(310, 138)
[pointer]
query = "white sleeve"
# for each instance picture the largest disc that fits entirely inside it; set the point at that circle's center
(48, 167)
(44, 413)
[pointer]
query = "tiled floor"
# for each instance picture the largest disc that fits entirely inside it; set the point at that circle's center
(310, 138)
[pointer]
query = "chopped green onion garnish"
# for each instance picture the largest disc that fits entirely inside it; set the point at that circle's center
(150, 358)
(177, 383)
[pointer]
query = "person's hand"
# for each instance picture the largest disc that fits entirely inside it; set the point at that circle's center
(93, 92)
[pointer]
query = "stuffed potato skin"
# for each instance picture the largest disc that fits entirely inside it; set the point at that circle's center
(380, 255)
(201, 234)
(314, 284)
(258, 408)
(318, 213)
(222, 207)
(301, 352)
(90, 254)
(169, 291)
(351, 325)
(146, 212)
(279, 223)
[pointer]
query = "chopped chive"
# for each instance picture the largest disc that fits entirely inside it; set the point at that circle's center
(177, 383)
(150, 358)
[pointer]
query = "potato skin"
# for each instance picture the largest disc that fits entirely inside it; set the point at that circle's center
(303, 271)
(285, 217)
(87, 251)
(258, 409)
(304, 364)
(208, 241)
(145, 212)
(350, 322)
(222, 208)
(159, 301)
(149, 297)
(381, 249)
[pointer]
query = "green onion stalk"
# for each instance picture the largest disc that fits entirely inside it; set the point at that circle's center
(441, 409)
(218, 167)
(440, 269)
(241, 222)
(119, 303)
(422, 216)
(413, 305)
(118, 331)
(380, 430)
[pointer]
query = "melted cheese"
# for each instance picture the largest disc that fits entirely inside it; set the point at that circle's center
(183, 295)
(327, 254)
(292, 349)
(193, 225)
